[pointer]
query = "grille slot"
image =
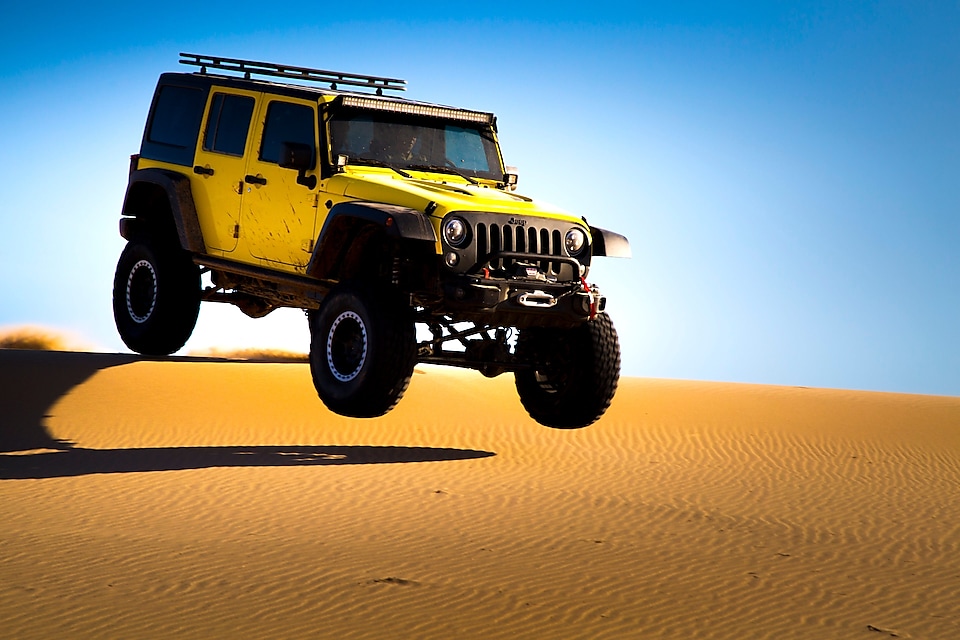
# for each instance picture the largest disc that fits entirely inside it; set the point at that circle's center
(493, 238)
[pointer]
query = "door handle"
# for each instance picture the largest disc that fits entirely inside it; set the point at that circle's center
(203, 171)
(254, 179)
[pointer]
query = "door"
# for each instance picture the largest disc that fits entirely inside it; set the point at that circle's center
(279, 211)
(219, 166)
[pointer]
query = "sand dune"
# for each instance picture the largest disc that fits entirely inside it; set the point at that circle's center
(201, 498)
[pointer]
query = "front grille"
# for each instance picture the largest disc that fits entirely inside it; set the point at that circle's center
(493, 238)
(494, 234)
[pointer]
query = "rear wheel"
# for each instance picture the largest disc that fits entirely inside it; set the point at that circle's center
(362, 350)
(573, 373)
(156, 298)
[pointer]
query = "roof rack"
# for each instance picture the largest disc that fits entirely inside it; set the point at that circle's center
(250, 67)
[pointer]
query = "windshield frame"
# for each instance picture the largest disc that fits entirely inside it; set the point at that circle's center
(432, 137)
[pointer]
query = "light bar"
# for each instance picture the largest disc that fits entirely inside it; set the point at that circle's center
(448, 113)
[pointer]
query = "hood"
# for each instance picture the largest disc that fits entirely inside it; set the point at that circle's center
(388, 186)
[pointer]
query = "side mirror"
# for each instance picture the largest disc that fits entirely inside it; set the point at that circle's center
(298, 156)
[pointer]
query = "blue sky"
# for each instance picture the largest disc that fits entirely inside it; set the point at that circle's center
(788, 173)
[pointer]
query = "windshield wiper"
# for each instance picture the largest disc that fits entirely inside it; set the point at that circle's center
(379, 163)
(438, 169)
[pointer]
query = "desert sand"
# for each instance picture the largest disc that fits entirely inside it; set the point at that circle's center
(203, 498)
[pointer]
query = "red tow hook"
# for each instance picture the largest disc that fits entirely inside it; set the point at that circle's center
(593, 297)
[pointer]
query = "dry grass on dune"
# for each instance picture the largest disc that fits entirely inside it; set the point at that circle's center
(253, 355)
(36, 338)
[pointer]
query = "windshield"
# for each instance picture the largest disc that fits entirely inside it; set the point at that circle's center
(415, 142)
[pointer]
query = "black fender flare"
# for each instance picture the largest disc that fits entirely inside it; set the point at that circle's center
(610, 244)
(344, 219)
(140, 203)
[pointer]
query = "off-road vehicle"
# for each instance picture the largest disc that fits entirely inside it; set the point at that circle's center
(392, 223)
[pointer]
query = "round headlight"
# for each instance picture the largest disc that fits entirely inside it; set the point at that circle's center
(574, 241)
(455, 231)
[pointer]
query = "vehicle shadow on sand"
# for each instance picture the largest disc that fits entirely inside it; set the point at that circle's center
(31, 383)
(73, 462)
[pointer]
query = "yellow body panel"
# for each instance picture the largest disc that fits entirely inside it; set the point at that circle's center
(218, 197)
(272, 224)
(278, 218)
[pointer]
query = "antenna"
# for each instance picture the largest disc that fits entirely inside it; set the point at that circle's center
(251, 67)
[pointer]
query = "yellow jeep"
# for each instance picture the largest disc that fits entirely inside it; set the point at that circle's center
(320, 190)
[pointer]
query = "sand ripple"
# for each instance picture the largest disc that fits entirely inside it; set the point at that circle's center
(202, 499)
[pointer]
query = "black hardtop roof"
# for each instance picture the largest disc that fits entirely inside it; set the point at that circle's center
(302, 92)
(198, 79)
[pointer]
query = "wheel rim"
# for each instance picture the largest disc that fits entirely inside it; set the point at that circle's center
(346, 346)
(141, 291)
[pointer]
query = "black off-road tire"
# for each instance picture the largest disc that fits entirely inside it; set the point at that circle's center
(573, 375)
(362, 350)
(156, 298)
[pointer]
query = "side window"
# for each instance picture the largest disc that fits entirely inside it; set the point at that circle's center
(174, 124)
(287, 122)
(228, 124)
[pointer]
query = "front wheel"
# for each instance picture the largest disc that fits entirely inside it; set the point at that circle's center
(572, 375)
(156, 298)
(362, 350)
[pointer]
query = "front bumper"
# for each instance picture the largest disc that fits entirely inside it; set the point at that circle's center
(522, 302)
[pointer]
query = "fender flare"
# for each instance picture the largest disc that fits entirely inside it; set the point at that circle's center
(610, 244)
(179, 197)
(344, 219)
(397, 221)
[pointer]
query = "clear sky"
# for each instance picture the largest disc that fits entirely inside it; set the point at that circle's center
(788, 173)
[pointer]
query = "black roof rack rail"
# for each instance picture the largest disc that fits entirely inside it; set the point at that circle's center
(251, 67)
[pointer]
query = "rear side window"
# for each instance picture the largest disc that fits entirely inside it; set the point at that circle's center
(228, 124)
(287, 122)
(174, 124)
